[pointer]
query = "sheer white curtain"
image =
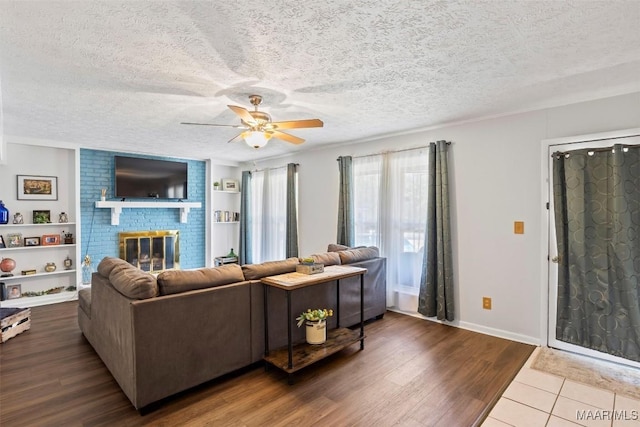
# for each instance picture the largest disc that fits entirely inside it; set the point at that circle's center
(268, 214)
(390, 203)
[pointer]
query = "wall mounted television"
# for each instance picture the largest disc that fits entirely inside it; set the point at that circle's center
(150, 178)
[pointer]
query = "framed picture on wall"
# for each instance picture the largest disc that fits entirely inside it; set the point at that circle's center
(35, 187)
(230, 185)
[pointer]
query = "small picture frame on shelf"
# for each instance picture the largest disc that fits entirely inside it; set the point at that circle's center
(230, 185)
(14, 291)
(14, 240)
(41, 217)
(2, 245)
(34, 187)
(32, 241)
(50, 240)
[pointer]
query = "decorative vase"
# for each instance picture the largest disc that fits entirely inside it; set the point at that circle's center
(50, 267)
(86, 273)
(7, 265)
(4, 214)
(316, 332)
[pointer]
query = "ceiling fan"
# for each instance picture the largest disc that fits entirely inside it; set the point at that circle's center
(258, 127)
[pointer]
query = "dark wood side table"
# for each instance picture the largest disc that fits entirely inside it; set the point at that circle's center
(293, 358)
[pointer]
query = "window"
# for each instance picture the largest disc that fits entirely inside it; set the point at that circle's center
(268, 214)
(390, 204)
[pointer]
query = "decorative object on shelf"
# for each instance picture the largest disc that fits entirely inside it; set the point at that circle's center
(86, 270)
(50, 267)
(14, 240)
(309, 266)
(14, 291)
(230, 185)
(55, 290)
(316, 324)
(17, 218)
(2, 245)
(68, 263)
(70, 288)
(7, 265)
(231, 253)
(28, 272)
(41, 217)
(50, 240)
(63, 217)
(33, 187)
(68, 238)
(3, 291)
(32, 241)
(103, 194)
(216, 186)
(4, 213)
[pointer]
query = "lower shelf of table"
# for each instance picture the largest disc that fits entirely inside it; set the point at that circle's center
(306, 354)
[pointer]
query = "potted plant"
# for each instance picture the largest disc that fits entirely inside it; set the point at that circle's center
(216, 186)
(316, 324)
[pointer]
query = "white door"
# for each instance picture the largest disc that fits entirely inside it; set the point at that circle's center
(566, 144)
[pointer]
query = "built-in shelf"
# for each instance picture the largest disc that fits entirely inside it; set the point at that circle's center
(31, 276)
(224, 191)
(48, 224)
(30, 248)
(40, 300)
(116, 208)
(226, 222)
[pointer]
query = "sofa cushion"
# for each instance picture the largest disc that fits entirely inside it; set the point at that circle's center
(109, 263)
(270, 268)
(177, 281)
(334, 247)
(327, 258)
(360, 254)
(84, 300)
(133, 282)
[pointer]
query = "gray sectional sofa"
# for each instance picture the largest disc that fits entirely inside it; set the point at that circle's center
(159, 336)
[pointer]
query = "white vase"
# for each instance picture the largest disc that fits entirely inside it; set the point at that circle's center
(316, 332)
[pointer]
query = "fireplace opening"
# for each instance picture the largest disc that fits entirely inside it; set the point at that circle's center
(152, 251)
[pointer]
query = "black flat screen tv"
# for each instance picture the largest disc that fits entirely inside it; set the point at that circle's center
(150, 178)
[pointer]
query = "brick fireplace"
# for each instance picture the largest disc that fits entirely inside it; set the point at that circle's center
(151, 251)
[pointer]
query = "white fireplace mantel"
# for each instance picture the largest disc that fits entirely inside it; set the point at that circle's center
(116, 208)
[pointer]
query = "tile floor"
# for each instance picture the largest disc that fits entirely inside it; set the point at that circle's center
(538, 399)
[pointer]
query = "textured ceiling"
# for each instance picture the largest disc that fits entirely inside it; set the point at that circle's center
(123, 75)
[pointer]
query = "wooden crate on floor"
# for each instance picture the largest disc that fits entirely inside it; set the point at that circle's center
(14, 321)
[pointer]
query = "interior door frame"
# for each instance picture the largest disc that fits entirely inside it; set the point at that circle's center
(548, 279)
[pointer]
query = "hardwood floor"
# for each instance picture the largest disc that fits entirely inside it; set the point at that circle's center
(412, 372)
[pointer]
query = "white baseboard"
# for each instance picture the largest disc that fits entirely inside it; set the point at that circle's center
(500, 333)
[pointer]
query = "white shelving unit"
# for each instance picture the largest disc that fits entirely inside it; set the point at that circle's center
(225, 235)
(35, 258)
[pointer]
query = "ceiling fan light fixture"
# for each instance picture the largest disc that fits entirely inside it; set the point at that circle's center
(256, 139)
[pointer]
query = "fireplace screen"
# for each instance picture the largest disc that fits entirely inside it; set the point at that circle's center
(152, 251)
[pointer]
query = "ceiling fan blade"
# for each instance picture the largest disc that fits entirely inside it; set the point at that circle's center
(244, 114)
(237, 138)
(211, 124)
(297, 124)
(286, 137)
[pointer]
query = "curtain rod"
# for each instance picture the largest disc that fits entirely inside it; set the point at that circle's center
(394, 151)
(595, 150)
(260, 170)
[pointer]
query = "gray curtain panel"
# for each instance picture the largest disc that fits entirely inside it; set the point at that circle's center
(436, 284)
(292, 211)
(244, 253)
(346, 229)
(597, 215)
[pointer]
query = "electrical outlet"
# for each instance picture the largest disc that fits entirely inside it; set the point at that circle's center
(486, 303)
